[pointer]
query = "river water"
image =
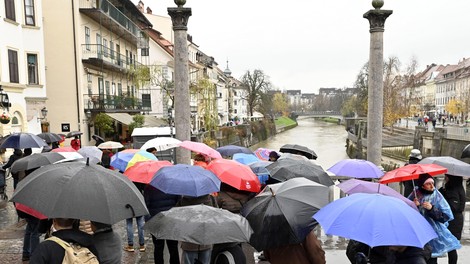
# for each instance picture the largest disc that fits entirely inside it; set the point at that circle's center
(328, 140)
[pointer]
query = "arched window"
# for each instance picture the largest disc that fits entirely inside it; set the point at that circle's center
(17, 122)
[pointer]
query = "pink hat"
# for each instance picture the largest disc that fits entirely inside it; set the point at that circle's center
(429, 180)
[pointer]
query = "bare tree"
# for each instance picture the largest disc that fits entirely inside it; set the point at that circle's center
(256, 83)
(392, 98)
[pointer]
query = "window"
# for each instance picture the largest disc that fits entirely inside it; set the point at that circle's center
(130, 56)
(13, 66)
(105, 45)
(144, 52)
(111, 47)
(29, 12)
(90, 84)
(100, 48)
(10, 9)
(33, 69)
(119, 89)
(127, 57)
(146, 101)
(87, 38)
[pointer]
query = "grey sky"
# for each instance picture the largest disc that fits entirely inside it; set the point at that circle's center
(308, 44)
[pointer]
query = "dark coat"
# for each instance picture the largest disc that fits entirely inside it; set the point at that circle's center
(108, 244)
(454, 194)
(52, 253)
(17, 154)
(411, 255)
(158, 201)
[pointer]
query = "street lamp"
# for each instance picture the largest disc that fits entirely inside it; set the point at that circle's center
(4, 100)
(43, 114)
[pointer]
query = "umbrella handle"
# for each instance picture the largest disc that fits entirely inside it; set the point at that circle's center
(132, 209)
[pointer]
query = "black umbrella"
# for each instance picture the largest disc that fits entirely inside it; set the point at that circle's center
(282, 213)
(298, 149)
(73, 134)
(466, 152)
(200, 224)
(35, 160)
(230, 150)
(81, 191)
(23, 140)
(50, 137)
(285, 169)
(98, 139)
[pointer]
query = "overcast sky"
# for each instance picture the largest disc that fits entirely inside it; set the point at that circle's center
(309, 44)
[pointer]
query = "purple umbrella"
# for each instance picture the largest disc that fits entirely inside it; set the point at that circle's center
(356, 168)
(359, 186)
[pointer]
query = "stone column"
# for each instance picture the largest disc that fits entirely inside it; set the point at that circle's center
(376, 19)
(179, 16)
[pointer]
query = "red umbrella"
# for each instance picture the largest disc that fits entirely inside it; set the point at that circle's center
(412, 172)
(30, 211)
(235, 174)
(64, 149)
(145, 170)
(200, 148)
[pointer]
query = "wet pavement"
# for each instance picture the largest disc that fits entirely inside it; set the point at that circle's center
(11, 241)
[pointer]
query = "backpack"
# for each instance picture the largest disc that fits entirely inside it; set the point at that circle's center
(74, 253)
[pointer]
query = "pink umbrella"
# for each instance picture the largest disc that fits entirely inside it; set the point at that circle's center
(200, 148)
(64, 149)
(262, 153)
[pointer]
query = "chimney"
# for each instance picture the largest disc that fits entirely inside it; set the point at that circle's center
(140, 6)
(149, 11)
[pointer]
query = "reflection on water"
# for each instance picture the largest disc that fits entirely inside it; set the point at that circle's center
(326, 139)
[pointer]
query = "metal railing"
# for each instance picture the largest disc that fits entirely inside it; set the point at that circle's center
(110, 56)
(112, 102)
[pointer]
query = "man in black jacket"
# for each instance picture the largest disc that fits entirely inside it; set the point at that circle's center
(51, 252)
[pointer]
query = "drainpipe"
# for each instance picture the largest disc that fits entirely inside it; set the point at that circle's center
(76, 68)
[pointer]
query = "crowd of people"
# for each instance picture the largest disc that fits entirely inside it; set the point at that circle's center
(442, 208)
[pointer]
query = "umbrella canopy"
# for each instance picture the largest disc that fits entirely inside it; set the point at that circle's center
(161, 143)
(50, 137)
(235, 174)
(454, 166)
(356, 168)
(282, 213)
(263, 153)
(359, 186)
(81, 191)
(465, 152)
(299, 149)
(139, 156)
(245, 158)
(200, 148)
(183, 179)
(37, 160)
(230, 150)
(292, 156)
(23, 140)
(98, 139)
(144, 171)
(285, 169)
(200, 224)
(110, 145)
(259, 168)
(412, 172)
(376, 220)
(64, 149)
(73, 134)
(91, 152)
(122, 158)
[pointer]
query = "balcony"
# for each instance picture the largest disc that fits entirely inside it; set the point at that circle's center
(110, 17)
(113, 103)
(108, 59)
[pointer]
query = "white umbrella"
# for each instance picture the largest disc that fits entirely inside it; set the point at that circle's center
(110, 145)
(91, 152)
(161, 143)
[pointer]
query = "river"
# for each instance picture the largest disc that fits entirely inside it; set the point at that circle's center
(328, 140)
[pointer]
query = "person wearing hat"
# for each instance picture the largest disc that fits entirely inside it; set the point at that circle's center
(434, 207)
(413, 158)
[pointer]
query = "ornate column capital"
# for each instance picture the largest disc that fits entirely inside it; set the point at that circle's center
(179, 17)
(377, 19)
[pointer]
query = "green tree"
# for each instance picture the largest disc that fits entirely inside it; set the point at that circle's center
(104, 123)
(361, 83)
(256, 83)
(392, 100)
(266, 106)
(137, 121)
(280, 104)
(205, 92)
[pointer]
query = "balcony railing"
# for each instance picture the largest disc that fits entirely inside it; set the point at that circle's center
(96, 8)
(114, 103)
(100, 55)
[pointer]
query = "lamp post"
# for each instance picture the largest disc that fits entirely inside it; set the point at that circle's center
(43, 114)
(4, 100)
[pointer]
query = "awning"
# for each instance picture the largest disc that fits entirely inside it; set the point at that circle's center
(127, 119)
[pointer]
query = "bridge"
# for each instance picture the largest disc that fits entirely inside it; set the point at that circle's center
(321, 114)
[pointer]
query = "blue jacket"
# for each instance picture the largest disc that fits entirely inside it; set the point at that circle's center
(158, 201)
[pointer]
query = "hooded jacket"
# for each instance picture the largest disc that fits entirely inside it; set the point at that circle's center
(454, 194)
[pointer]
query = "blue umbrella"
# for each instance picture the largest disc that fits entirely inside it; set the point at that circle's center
(230, 150)
(376, 220)
(121, 159)
(356, 168)
(245, 158)
(182, 179)
(23, 140)
(259, 168)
